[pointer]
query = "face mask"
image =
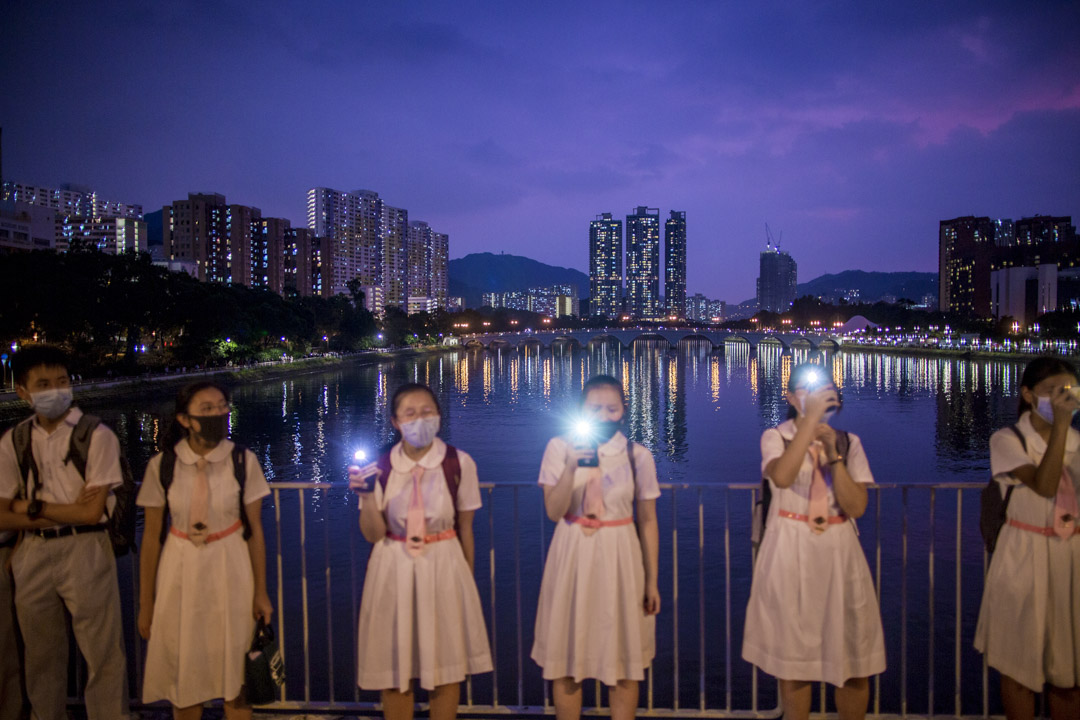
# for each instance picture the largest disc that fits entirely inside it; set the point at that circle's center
(606, 429)
(421, 432)
(212, 428)
(51, 403)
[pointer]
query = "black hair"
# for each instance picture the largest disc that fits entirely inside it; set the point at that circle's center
(412, 387)
(34, 356)
(602, 381)
(1038, 370)
(177, 432)
(796, 377)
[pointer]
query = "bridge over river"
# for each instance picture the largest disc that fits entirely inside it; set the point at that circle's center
(626, 336)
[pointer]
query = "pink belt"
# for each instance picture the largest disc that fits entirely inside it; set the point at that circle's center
(594, 523)
(444, 535)
(212, 536)
(833, 519)
(1047, 531)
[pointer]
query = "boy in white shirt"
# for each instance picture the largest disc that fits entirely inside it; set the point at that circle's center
(65, 559)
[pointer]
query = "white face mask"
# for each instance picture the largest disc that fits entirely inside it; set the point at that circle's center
(51, 403)
(421, 432)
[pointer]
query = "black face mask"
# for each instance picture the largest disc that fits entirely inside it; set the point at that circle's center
(213, 428)
(606, 429)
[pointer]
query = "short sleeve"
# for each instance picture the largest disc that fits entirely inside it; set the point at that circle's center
(9, 467)
(553, 462)
(648, 485)
(858, 466)
(772, 447)
(1007, 453)
(150, 492)
(103, 460)
(468, 494)
(255, 485)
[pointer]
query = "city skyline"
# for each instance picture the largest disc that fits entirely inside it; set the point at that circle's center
(853, 129)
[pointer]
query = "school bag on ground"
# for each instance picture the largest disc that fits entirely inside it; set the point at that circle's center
(994, 507)
(168, 468)
(121, 521)
(761, 507)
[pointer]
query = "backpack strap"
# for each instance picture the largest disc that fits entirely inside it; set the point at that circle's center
(239, 459)
(24, 453)
(1009, 490)
(165, 476)
(79, 446)
(451, 468)
(383, 465)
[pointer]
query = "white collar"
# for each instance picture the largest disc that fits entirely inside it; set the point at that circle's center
(1035, 441)
(431, 459)
(615, 445)
(186, 455)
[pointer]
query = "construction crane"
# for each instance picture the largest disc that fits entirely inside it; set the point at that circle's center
(768, 236)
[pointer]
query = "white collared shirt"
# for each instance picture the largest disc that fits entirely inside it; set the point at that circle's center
(796, 498)
(61, 482)
(1007, 454)
(439, 512)
(620, 488)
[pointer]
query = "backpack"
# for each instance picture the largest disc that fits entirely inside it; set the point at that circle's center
(993, 507)
(761, 507)
(451, 467)
(168, 468)
(121, 521)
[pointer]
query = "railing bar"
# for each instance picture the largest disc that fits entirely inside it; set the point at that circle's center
(877, 583)
(930, 609)
(329, 597)
(304, 596)
(903, 605)
(675, 600)
(280, 584)
(727, 583)
(354, 530)
(701, 601)
(985, 666)
(517, 601)
(821, 698)
(959, 615)
(494, 624)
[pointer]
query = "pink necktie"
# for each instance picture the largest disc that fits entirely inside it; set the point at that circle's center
(1065, 507)
(593, 504)
(817, 515)
(414, 520)
(200, 502)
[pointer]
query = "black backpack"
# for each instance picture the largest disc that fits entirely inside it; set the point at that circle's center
(993, 510)
(168, 468)
(761, 507)
(121, 522)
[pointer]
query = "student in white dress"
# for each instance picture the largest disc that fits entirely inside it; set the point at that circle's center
(420, 616)
(1029, 621)
(201, 593)
(599, 594)
(813, 615)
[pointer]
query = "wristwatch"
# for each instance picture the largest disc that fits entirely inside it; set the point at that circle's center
(34, 508)
(839, 458)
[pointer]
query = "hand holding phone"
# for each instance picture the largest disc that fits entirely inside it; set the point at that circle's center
(362, 478)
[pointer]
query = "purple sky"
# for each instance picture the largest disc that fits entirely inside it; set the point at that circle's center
(852, 127)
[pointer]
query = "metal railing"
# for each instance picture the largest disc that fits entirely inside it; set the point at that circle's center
(921, 541)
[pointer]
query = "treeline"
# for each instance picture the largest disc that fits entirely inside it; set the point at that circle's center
(123, 314)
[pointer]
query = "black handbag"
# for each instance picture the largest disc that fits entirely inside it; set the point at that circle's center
(264, 669)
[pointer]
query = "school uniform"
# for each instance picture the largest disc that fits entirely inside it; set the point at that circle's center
(65, 567)
(11, 687)
(813, 614)
(420, 617)
(202, 623)
(590, 622)
(1029, 620)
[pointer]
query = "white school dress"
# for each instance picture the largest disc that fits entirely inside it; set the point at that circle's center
(1029, 621)
(203, 622)
(591, 622)
(813, 614)
(421, 617)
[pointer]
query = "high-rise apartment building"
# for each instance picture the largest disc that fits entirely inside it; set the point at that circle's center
(777, 281)
(268, 254)
(81, 217)
(675, 264)
(369, 240)
(965, 249)
(643, 263)
(71, 200)
(299, 256)
(352, 223)
(195, 230)
(605, 266)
